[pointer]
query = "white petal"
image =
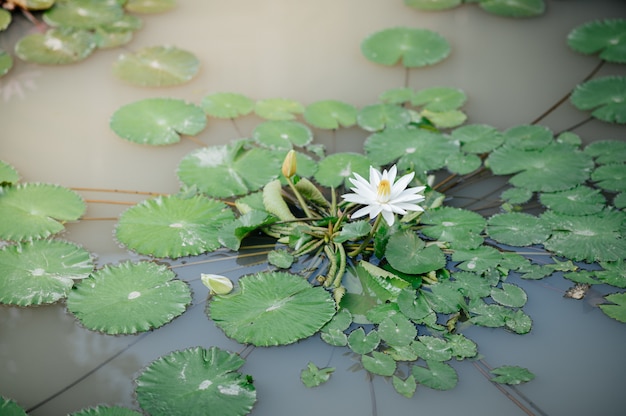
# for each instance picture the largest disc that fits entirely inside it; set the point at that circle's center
(389, 217)
(362, 212)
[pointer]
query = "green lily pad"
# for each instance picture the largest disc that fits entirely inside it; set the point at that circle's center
(41, 272)
(36, 210)
(379, 363)
(157, 66)
(330, 114)
(554, 168)
(313, 376)
(336, 169)
(157, 121)
(477, 260)
(83, 14)
(334, 337)
(488, 315)
(415, 47)
(617, 308)
(477, 138)
(106, 411)
(397, 96)
(472, 285)
(396, 330)
(592, 238)
(129, 298)
(509, 295)
(274, 308)
(620, 200)
(9, 407)
(439, 99)
(607, 95)
(6, 62)
(444, 297)
(461, 228)
(406, 253)
(106, 38)
(517, 229)
(362, 343)
(438, 375)
(377, 117)
(228, 170)
(404, 387)
(581, 200)
(461, 346)
(606, 152)
(149, 6)
(227, 105)
(278, 109)
(5, 19)
(56, 46)
(514, 8)
(282, 259)
(610, 177)
(172, 226)
(444, 119)
(462, 163)
(196, 381)
(433, 4)
(516, 195)
(608, 37)
(528, 137)
(511, 374)
(518, 322)
(282, 135)
(431, 348)
(8, 174)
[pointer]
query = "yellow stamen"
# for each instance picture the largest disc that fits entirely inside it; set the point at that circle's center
(384, 189)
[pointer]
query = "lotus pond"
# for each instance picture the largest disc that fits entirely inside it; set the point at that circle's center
(270, 207)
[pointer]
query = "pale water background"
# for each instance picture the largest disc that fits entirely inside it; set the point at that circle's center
(54, 128)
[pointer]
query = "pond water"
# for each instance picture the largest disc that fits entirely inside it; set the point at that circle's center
(54, 128)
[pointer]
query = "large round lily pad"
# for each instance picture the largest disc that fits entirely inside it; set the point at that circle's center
(196, 381)
(41, 272)
(129, 298)
(274, 308)
(606, 37)
(173, 226)
(157, 66)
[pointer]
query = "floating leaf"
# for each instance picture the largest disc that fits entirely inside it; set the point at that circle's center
(614, 273)
(462, 164)
(42, 271)
(330, 114)
(477, 260)
(106, 411)
(397, 330)
(334, 337)
(313, 376)
(379, 363)
(461, 228)
(511, 374)
(433, 4)
(36, 210)
(171, 226)
(9, 407)
(156, 66)
(554, 168)
(56, 46)
(517, 229)
(514, 8)
(439, 99)
(5, 21)
(608, 37)
(129, 298)
(280, 258)
(149, 6)
(477, 138)
(353, 231)
(196, 381)
(336, 169)
(444, 297)
(274, 308)
(157, 121)
(416, 47)
(8, 175)
(377, 117)
(616, 310)
(589, 238)
(607, 151)
(228, 170)
(607, 95)
(444, 119)
(438, 375)
(461, 346)
(6, 61)
(518, 322)
(509, 295)
(83, 14)
(488, 315)
(278, 109)
(112, 38)
(620, 200)
(361, 343)
(405, 387)
(472, 285)
(610, 177)
(581, 200)
(397, 96)
(432, 348)
(407, 253)
(282, 135)
(528, 137)
(516, 195)
(227, 105)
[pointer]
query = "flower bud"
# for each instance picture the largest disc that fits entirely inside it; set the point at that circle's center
(289, 164)
(218, 285)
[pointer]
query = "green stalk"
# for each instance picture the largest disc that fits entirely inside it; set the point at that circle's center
(303, 204)
(342, 264)
(367, 239)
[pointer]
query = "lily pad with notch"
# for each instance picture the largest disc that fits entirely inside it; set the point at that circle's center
(41, 271)
(606, 96)
(460, 227)
(173, 226)
(377, 117)
(56, 46)
(196, 381)
(157, 66)
(477, 138)
(438, 375)
(129, 298)
(511, 374)
(610, 177)
(605, 152)
(336, 169)
(272, 308)
(439, 99)
(606, 37)
(157, 121)
(407, 253)
(278, 109)
(282, 134)
(330, 114)
(227, 105)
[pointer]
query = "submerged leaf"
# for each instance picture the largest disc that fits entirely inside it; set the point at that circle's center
(606, 96)
(274, 308)
(608, 37)
(157, 66)
(196, 381)
(42, 271)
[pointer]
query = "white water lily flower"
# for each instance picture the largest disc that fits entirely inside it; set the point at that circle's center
(383, 195)
(218, 285)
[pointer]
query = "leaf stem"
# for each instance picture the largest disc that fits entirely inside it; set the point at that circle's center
(367, 239)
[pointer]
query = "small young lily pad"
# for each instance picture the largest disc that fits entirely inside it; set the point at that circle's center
(157, 66)
(157, 121)
(514, 8)
(404, 387)
(227, 105)
(37, 210)
(511, 374)
(5, 19)
(362, 343)
(278, 109)
(41, 272)
(379, 363)
(438, 375)
(83, 14)
(149, 6)
(444, 119)
(477, 138)
(415, 47)
(606, 96)
(397, 331)
(377, 117)
(336, 169)
(8, 174)
(56, 46)
(313, 376)
(617, 308)
(509, 295)
(282, 134)
(608, 37)
(273, 308)
(517, 229)
(106, 411)
(129, 298)
(439, 99)
(106, 38)
(196, 381)
(432, 348)
(330, 114)
(6, 62)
